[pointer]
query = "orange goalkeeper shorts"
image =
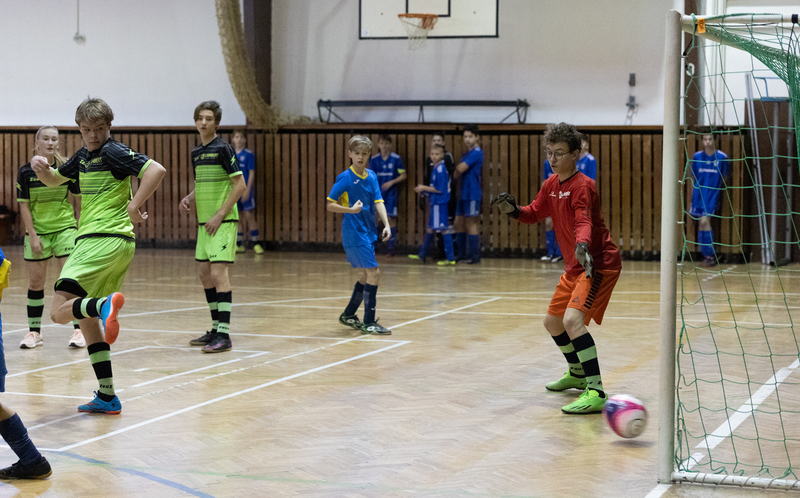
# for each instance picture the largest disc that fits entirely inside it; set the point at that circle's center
(588, 295)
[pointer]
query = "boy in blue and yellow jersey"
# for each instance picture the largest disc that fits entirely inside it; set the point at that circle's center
(105, 241)
(469, 198)
(356, 193)
(31, 464)
(710, 169)
(388, 166)
(438, 193)
(218, 184)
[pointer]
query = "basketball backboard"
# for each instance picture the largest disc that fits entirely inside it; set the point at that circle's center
(457, 18)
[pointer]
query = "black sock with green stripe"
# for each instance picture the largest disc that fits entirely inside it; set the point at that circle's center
(76, 324)
(568, 349)
(587, 353)
(87, 307)
(35, 310)
(224, 300)
(100, 358)
(211, 299)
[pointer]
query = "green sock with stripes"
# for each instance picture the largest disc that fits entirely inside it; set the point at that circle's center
(587, 354)
(224, 300)
(86, 307)
(211, 299)
(568, 350)
(35, 310)
(100, 358)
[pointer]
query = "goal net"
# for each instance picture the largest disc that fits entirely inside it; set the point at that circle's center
(736, 415)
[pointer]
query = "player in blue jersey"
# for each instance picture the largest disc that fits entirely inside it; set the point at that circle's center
(711, 170)
(469, 198)
(247, 204)
(388, 166)
(586, 163)
(438, 193)
(357, 194)
(31, 464)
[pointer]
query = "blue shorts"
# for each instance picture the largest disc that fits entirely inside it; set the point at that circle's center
(468, 209)
(439, 220)
(362, 256)
(248, 205)
(705, 202)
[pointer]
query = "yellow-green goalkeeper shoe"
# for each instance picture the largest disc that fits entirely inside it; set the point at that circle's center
(566, 382)
(588, 402)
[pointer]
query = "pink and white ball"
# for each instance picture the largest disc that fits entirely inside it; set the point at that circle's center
(625, 415)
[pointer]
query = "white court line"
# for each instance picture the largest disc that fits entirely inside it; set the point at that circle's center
(367, 338)
(73, 362)
(445, 312)
(725, 430)
(207, 367)
(227, 396)
(48, 395)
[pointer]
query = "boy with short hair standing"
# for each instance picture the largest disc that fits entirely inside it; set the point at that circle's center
(218, 185)
(356, 193)
(438, 193)
(469, 198)
(388, 166)
(247, 204)
(710, 169)
(593, 264)
(105, 242)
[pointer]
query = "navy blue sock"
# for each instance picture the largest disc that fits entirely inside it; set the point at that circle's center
(475, 247)
(355, 299)
(426, 245)
(16, 435)
(369, 303)
(461, 245)
(448, 246)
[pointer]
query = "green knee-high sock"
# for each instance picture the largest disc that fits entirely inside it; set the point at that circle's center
(587, 353)
(35, 310)
(565, 345)
(211, 299)
(224, 300)
(100, 358)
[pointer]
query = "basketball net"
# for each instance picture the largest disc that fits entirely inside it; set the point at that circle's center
(417, 27)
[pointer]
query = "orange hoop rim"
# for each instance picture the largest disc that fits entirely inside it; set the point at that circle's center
(427, 21)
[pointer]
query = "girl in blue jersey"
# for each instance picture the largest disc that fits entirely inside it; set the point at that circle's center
(357, 194)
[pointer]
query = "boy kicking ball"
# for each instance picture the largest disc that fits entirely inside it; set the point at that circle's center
(592, 266)
(355, 193)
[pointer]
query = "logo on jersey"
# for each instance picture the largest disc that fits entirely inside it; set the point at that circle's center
(552, 194)
(356, 182)
(561, 195)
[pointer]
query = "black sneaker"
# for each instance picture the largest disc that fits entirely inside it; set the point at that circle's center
(374, 328)
(203, 339)
(38, 470)
(350, 321)
(217, 345)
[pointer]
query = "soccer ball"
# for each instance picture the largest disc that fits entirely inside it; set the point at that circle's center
(625, 415)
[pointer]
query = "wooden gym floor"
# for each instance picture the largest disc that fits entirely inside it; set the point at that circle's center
(452, 404)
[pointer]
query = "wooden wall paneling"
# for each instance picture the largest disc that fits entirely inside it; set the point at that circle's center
(725, 212)
(657, 151)
(341, 164)
(626, 192)
(267, 141)
(405, 220)
(502, 177)
(295, 202)
(322, 188)
(594, 150)
(647, 193)
(604, 167)
(308, 147)
(418, 176)
(636, 191)
(513, 184)
(616, 192)
(161, 195)
(185, 185)
(522, 191)
(9, 173)
(175, 194)
(535, 183)
(489, 232)
(330, 165)
(151, 204)
(285, 187)
(277, 196)
(738, 165)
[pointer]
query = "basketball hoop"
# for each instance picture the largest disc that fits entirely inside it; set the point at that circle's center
(417, 27)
